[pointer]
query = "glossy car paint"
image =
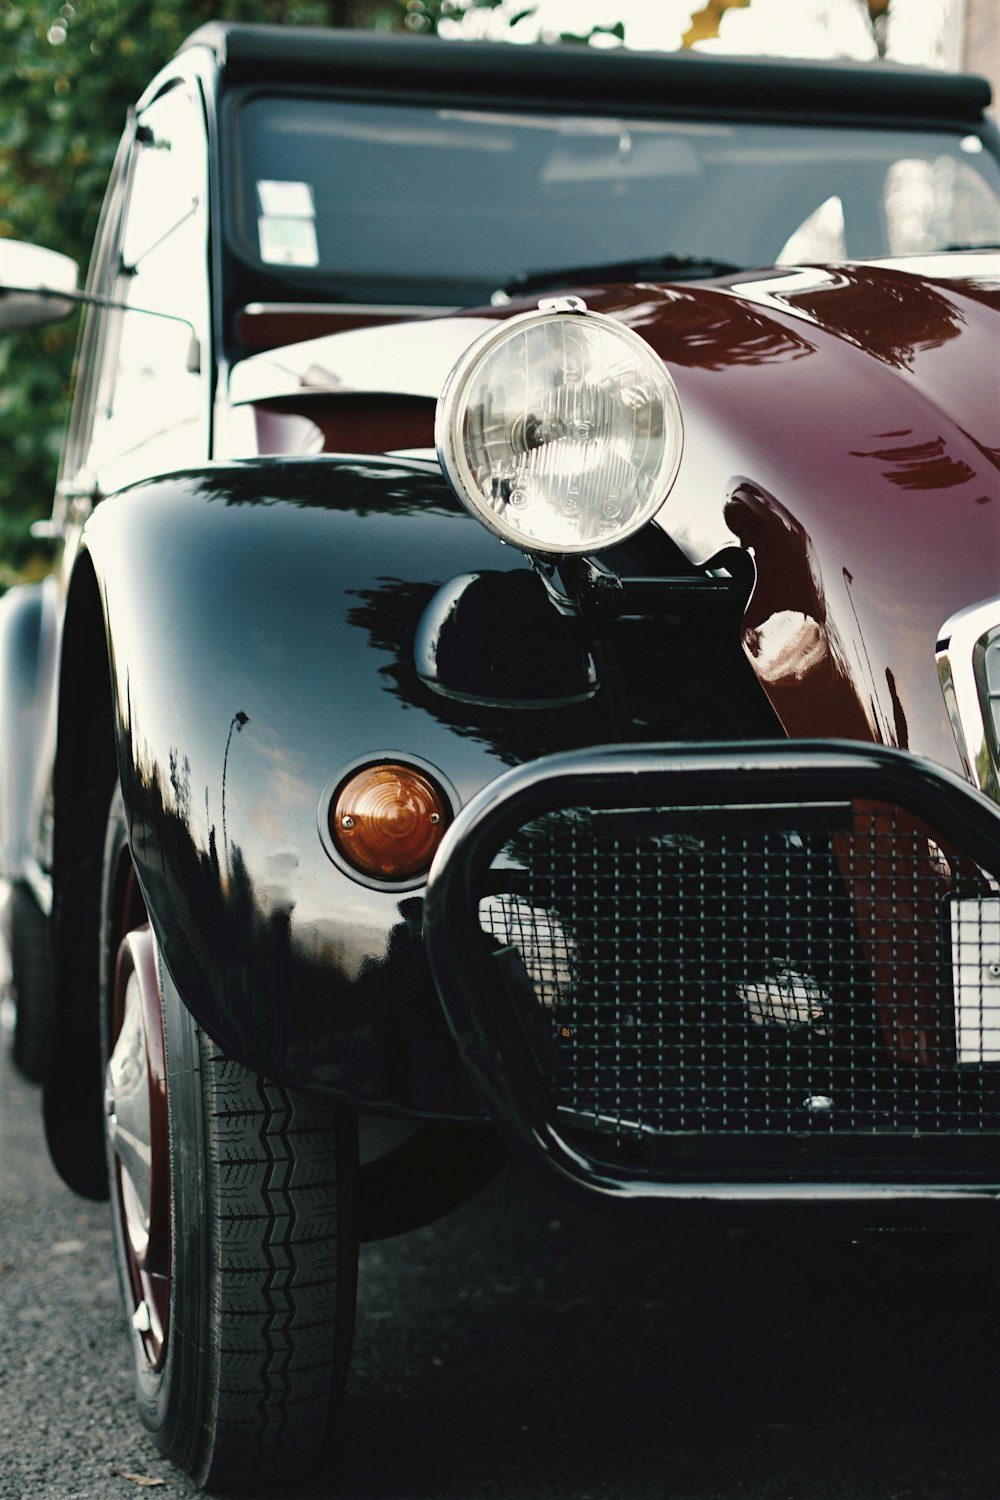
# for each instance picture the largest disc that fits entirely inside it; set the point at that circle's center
(262, 621)
(845, 428)
(841, 426)
(265, 620)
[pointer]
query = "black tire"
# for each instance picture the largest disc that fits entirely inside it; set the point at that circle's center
(244, 1384)
(31, 973)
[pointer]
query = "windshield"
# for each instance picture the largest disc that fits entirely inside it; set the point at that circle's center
(387, 202)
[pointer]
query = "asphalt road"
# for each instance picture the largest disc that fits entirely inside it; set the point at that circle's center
(522, 1350)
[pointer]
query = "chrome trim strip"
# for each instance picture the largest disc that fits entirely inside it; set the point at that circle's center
(810, 1192)
(349, 309)
(960, 639)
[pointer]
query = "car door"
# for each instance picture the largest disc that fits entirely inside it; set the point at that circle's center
(142, 401)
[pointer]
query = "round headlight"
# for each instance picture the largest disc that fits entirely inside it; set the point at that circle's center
(560, 431)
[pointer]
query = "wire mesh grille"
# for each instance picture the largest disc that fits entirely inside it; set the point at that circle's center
(826, 970)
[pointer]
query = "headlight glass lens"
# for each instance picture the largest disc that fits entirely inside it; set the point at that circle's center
(560, 431)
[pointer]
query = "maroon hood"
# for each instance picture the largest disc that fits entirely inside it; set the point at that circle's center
(844, 426)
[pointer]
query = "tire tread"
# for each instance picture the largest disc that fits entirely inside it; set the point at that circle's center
(271, 1157)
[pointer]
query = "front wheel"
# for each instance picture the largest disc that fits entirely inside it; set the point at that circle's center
(233, 1206)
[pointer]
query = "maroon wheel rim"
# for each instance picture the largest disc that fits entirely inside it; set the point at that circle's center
(136, 1110)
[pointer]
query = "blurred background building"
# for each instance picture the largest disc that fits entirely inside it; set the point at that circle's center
(976, 28)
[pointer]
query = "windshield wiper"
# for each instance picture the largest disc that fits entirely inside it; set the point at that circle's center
(646, 267)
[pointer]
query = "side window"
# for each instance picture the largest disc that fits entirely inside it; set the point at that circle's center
(100, 279)
(149, 393)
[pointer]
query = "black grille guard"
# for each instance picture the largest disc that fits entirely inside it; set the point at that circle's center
(941, 1141)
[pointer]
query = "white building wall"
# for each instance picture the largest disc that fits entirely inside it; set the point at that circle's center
(980, 26)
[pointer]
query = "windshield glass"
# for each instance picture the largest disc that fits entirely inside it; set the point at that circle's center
(390, 202)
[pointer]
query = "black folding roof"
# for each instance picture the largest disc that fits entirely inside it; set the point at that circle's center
(619, 79)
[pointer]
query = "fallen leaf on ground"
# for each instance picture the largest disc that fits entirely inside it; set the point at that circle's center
(143, 1479)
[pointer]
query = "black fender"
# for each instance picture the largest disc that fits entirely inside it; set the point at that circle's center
(236, 639)
(260, 623)
(27, 654)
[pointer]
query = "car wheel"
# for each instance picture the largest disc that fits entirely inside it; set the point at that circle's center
(31, 973)
(233, 1209)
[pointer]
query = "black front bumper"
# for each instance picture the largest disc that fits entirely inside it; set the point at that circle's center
(767, 972)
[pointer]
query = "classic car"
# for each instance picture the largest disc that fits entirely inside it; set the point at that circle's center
(521, 675)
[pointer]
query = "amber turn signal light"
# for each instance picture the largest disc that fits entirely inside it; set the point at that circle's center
(388, 820)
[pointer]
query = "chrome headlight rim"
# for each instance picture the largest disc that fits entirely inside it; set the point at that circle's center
(451, 409)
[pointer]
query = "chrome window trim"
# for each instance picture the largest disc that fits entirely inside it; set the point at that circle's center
(962, 642)
(349, 309)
